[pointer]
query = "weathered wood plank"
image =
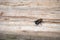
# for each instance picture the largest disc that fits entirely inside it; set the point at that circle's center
(17, 17)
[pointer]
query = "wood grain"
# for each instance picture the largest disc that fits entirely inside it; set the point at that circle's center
(17, 16)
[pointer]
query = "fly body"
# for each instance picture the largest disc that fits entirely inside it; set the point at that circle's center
(39, 21)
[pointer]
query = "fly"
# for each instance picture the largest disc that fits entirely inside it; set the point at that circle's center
(39, 21)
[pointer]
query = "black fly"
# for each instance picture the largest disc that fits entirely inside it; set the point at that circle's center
(39, 21)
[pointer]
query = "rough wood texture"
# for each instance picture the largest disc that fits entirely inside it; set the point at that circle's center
(18, 16)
